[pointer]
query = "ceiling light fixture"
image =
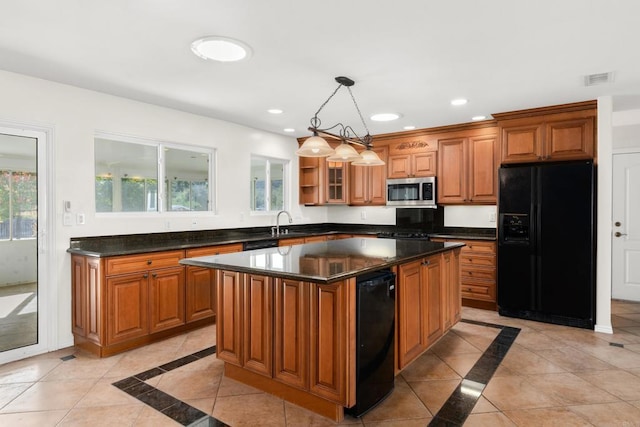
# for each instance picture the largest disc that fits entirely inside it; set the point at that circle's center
(409, 127)
(222, 49)
(459, 101)
(274, 111)
(316, 146)
(385, 117)
(289, 130)
(478, 118)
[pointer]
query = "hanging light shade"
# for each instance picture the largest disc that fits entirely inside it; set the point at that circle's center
(315, 146)
(368, 158)
(344, 153)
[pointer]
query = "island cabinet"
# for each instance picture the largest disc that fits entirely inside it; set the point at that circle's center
(295, 335)
(557, 133)
(368, 184)
(428, 303)
(468, 168)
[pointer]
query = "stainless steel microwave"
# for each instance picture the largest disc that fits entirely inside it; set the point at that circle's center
(412, 192)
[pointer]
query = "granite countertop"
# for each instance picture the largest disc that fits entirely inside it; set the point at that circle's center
(465, 233)
(324, 262)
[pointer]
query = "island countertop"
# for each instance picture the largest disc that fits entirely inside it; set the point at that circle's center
(324, 262)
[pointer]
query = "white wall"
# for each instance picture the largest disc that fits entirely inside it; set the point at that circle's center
(74, 115)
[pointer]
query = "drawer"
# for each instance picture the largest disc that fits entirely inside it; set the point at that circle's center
(214, 250)
(480, 291)
(143, 262)
(479, 247)
(477, 273)
(481, 260)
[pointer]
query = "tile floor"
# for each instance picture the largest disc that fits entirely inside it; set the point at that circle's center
(552, 375)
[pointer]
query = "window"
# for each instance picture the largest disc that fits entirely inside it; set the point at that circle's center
(18, 205)
(268, 184)
(127, 171)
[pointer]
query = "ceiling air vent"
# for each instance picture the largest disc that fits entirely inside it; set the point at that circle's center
(598, 79)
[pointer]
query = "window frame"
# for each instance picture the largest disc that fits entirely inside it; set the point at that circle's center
(161, 174)
(286, 164)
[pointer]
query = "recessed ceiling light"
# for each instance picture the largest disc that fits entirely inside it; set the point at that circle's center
(409, 127)
(477, 118)
(459, 101)
(289, 129)
(221, 49)
(275, 111)
(385, 117)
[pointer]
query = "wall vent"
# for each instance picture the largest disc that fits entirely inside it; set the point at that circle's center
(598, 79)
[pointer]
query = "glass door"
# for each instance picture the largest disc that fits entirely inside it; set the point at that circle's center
(21, 324)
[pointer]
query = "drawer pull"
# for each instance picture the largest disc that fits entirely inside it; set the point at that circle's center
(149, 262)
(425, 263)
(154, 275)
(145, 276)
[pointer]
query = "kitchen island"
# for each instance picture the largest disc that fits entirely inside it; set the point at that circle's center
(286, 316)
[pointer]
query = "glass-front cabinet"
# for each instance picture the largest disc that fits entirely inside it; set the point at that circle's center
(337, 182)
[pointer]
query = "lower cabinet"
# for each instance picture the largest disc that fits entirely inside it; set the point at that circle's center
(296, 333)
(127, 301)
(428, 303)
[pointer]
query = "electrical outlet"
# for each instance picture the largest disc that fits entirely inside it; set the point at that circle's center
(492, 217)
(363, 215)
(67, 219)
(80, 219)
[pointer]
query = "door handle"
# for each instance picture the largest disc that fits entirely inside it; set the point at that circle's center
(619, 234)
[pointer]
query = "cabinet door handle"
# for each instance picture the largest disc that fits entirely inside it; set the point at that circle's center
(145, 276)
(154, 275)
(149, 262)
(426, 263)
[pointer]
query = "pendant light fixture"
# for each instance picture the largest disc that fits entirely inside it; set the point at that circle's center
(316, 146)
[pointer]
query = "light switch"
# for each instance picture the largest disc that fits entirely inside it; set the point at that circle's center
(80, 219)
(67, 219)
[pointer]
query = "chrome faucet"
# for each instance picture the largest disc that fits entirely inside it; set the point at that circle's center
(278, 221)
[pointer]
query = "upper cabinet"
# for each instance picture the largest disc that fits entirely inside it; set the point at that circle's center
(411, 157)
(468, 167)
(368, 184)
(563, 132)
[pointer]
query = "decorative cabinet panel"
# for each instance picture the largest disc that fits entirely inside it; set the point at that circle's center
(369, 183)
(127, 302)
(291, 341)
(468, 170)
(166, 298)
(230, 308)
(258, 324)
(557, 133)
(412, 304)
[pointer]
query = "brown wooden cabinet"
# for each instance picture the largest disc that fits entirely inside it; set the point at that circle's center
(200, 292)
(477, 273)
(556, 133)
(428, 303)
(337, 185)
(312, 177)
(123, 302)
(413, 156)
(258, 324)
(368, 184)
(468, 169)
(230, 307)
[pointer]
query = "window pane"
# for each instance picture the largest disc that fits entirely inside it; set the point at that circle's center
(5, 194)
(187, 171)
(104, 194)
(258, 181)
(133, 170)
(277, 186)
(25, 204)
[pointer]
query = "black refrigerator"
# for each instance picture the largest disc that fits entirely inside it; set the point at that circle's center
(546, 242)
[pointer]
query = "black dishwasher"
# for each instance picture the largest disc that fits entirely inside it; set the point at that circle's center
(375, 317)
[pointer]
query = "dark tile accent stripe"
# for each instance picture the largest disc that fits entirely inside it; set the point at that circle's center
(459, 405)
(175, 409)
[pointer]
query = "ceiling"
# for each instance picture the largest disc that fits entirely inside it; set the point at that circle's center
(409, 56)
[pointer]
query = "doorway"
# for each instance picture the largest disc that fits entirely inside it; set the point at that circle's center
(626, 227)
(23, 256)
